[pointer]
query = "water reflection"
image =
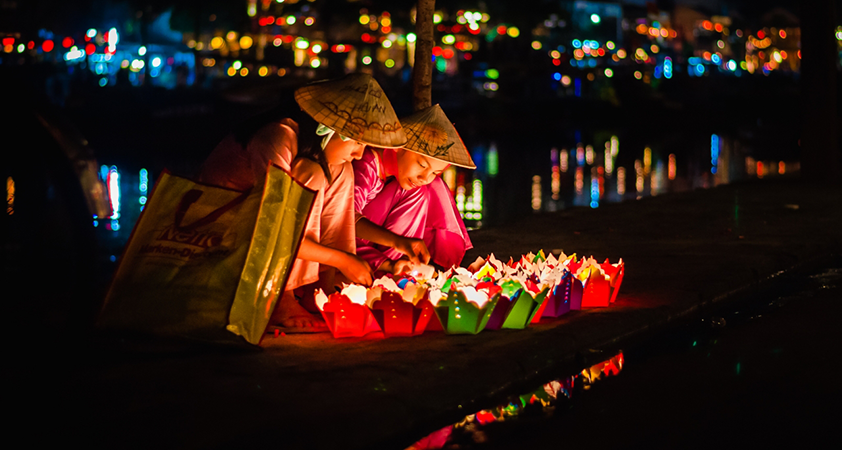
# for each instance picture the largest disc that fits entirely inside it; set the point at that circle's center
(577, 176)
(585, 177)
(128, 191)
(544, 399)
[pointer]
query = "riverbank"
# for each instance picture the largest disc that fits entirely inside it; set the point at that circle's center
(683, 253)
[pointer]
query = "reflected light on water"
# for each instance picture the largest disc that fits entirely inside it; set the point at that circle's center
(113, 183)
(715, 146)
(555, 181)
(781, 167)
(671, 167)
(10, 196)
(545, 398)
(143, 187)
(493, 164)
(594, 188)
(580, 154)
(615, 146)
(580, 180)
(638, 170)
(473, 204)
(647, 160)
(536, 193)
(589, 154)
(656, 184)
(564, 162)
(460, 198)
(621, 181)
(609, 160)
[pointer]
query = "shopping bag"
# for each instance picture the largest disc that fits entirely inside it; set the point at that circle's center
(204, 259)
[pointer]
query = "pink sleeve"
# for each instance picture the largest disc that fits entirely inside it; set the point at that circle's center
(367, 182)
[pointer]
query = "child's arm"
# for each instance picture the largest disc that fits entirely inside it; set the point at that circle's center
(352, 266)
(415, 249)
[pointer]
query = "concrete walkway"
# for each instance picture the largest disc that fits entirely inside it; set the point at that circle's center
(682, 253)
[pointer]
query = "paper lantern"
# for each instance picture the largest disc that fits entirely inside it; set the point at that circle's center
(596, 287)
(346, 313)
(405, 314)
(615, 274)
(465, 310)
(423, 272)
(517, 306)
(566, 296)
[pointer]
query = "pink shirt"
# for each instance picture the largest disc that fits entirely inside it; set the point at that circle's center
(331, 220)
(370, 175)
(428, 212)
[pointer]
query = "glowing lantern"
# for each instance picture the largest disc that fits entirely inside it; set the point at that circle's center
(566, 296)
(465, 310)
(346, 313)
(596, 286)
(518, 306)
(397, 314)
(615, 274)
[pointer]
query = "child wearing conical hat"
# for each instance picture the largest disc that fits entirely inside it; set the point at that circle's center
(340, 117)
(406, 214)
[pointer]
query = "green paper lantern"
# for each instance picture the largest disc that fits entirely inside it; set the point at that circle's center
(458, 315)
(526, 307)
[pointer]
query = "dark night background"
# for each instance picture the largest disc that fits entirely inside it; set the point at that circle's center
(672, 96)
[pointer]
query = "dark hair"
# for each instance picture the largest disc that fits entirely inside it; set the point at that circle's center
(308, 142)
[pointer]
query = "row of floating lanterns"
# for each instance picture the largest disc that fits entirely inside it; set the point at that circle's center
(489, 294)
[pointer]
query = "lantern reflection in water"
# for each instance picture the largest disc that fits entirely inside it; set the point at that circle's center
(546, 398)
(10, 196)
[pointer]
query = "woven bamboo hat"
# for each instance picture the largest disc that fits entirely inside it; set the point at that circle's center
(430, 133)
(356, 107)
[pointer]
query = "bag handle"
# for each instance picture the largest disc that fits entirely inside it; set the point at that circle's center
(191, 197)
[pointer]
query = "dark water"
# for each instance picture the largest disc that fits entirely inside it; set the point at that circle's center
(583, 175)
(758, 372)
(533, 154)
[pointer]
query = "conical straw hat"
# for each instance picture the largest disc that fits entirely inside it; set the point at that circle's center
(429, 132)
(356, 107)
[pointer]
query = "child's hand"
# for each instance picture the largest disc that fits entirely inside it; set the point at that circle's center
(356, 270)
(415, 249)
(402, 266)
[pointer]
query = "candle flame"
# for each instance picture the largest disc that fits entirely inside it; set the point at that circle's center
(321, 299)
(356, 293)
(480, 298)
